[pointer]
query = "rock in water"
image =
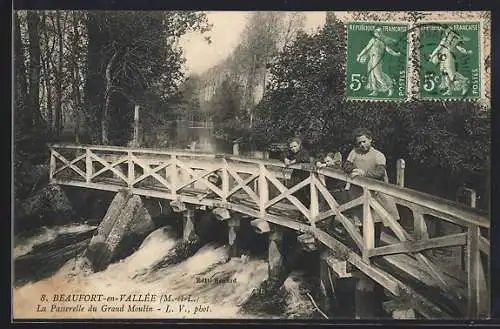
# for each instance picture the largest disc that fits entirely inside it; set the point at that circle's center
(49, 206)
(182, 251)
(114, 210)
(122, 229)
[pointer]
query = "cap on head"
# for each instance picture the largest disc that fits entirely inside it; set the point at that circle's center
(295, 140)
(361, 132)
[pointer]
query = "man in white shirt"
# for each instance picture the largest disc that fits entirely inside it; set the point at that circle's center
(364, 160)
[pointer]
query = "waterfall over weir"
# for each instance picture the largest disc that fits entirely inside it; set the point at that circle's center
(205, 285)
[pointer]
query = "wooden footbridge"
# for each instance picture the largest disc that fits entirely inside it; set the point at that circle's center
(409, 263)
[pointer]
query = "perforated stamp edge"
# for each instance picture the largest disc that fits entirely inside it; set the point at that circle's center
(346, 59)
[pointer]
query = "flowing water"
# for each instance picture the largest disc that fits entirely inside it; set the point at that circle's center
(204, 285)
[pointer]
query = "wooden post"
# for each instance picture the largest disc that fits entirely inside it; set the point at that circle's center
(236, 148)
(130, 174)
(275, 256)
(472, 271)
(88, 165)
(188, 227)
(364, 294)
(368, 226)
(314, 207)
(364, 297)
(225, 181)
(136, 139)
(233, 226)
(419, 225)
(477, 292)
(468, 197)
(262, 190)
(400, 172)
(257, 155)
(52, 168)
(173, 175)
(326, 285)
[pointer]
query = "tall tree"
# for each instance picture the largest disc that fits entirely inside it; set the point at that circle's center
(75, 74)
(264, 35)
(46, 61)
(34, 67)
(59, 74)
(130, 54)
(94, 83)
(21, 90)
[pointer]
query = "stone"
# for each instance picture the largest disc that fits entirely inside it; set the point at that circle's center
(260, 226)
(123, 228)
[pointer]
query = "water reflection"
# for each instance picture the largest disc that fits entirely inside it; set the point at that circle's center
(195, 135)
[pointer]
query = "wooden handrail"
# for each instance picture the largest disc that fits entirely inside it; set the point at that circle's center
(183, 169)
(464, 215)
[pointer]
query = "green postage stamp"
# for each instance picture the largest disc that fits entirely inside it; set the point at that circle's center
(449, 60)
(377, 61)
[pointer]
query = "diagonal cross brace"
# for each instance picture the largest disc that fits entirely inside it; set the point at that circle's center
(353, 232)
(151, 172)
(69, 164)
(107, 166)
(119, 161)
(242, 184)
(283, 189)
(201, 178)
(403, 235)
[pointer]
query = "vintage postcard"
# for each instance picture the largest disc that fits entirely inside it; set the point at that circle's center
(251, 165)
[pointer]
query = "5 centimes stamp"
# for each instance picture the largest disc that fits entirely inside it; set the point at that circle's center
(377, 58)
(449, 55)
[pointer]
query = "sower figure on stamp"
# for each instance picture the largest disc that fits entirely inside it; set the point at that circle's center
(444, 57)
(378, 80)
(365, 160)
(298, 154)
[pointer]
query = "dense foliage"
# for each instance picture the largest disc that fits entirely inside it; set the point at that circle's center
(445, 141)
(78, 76)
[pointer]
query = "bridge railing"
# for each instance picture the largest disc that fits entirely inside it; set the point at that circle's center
(259, 188)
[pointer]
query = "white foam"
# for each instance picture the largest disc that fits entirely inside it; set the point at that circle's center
(25, 245)
(183, 279)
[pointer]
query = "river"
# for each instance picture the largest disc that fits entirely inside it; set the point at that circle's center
(190, 284)
(195, 135)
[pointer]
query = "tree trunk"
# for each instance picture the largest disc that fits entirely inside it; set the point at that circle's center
(34, 69)
(109, 86)
(46, 74)
(75, 86)
(251, 83)
(58, 82)
(20, 69)
(94, 84)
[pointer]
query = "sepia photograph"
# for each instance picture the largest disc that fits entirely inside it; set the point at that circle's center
(289, 165)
